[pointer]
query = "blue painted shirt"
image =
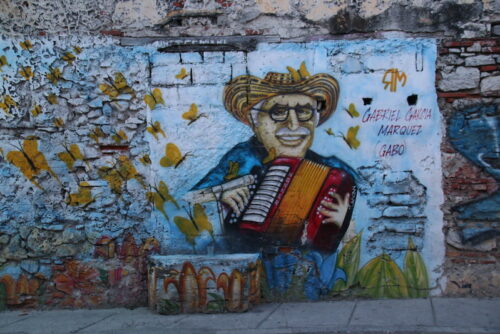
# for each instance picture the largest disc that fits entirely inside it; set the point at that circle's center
(249, 156)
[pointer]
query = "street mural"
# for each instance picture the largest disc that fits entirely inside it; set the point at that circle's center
(320, 157)
(311, 155)
(278, 191)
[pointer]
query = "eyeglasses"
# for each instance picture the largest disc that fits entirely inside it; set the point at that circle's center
(280, 113)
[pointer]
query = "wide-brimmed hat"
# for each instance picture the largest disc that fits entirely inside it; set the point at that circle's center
(245, 91)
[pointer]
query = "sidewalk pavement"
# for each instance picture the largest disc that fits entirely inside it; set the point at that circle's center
(432, 315)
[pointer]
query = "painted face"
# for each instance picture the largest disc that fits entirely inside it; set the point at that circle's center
(286, 123)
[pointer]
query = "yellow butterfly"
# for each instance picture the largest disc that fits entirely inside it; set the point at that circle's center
(182, 74)
(3, 62)
(10, 101)
(352, 110)
(127, 169)
(196, 223)
(123, 171)
(26, 72)
(52, 98)
(119, 136)
(160, 196)
(54, 75)
(145, 160)
(271, 155)
(329, 132)
(69, 57)
(173, 156)
(113, 177)
(155, 98)
(351, 139)
(82, 197)
(71, 155)
(232, 173)
(30, 161)
(37, 110)
(192, 114)
(58, 122)
(77, 50)
(302, 73)
(7, 103)
(115, 87)
(155, 129)
(5, 108)
(26, 45)
(97, 133)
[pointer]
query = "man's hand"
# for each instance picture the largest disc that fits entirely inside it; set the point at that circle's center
(237, 199)
(335, 213)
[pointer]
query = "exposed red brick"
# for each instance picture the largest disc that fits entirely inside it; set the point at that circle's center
(488, 68)
(443, 51)
(479, 180)
(58, 267)
(468, 174)
(179, 4)
(476, 261)
(447, 149)
(458, 95)
(42, 33)
(466, 254)
(114, 147)
(58, 294)
(457, 261)
(455, 44)
(224, 3)
(460, 187)
(118, 33)
(253, 32)
(488, 42)
(491, 49)
(452, 253)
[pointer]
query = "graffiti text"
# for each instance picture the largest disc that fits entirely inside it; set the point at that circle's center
(418, 114)
(388, 115)
(402, 130)
(391, 150)
(394, 76)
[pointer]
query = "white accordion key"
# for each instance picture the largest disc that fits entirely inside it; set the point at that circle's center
(265, 194)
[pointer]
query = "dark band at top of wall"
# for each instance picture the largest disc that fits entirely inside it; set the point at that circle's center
(193, 44)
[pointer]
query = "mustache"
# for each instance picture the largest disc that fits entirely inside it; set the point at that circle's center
(301, 131)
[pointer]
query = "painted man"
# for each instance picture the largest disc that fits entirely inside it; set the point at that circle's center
(283, 110)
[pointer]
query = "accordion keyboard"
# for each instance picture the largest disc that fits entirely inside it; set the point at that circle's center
(264, 197)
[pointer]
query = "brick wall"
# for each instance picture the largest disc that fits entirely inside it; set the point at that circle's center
(468, 85)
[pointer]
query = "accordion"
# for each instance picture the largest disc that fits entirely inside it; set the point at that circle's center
(285, 204)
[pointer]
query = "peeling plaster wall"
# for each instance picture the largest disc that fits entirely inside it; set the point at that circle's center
(85, 217)
(286, 18)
